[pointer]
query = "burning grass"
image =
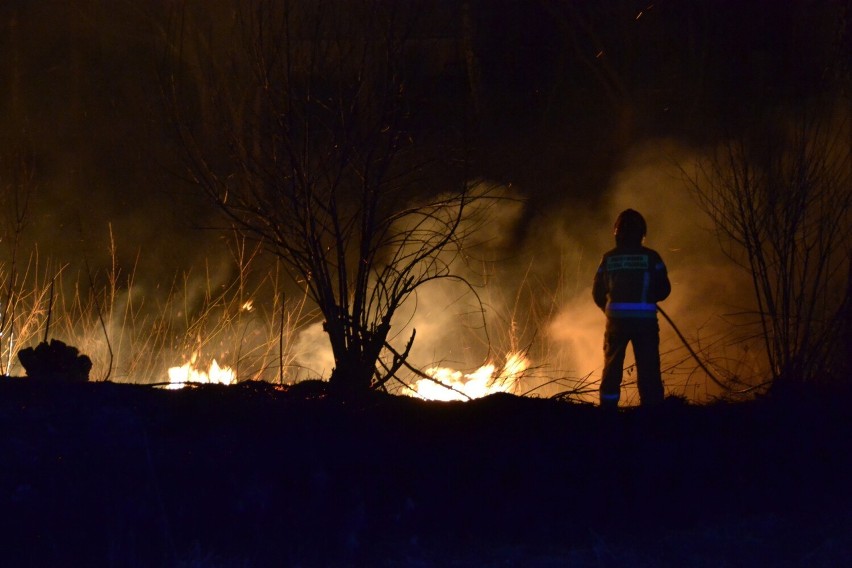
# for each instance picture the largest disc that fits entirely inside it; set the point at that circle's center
(208, 328)
(236, 320)
(136, 332)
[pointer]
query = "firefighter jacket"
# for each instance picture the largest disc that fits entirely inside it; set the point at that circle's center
(630, 281)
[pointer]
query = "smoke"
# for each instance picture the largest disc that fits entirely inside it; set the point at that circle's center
(532, 296)
(706, 286)
(453, 320)
(312, 354)
(535, 296)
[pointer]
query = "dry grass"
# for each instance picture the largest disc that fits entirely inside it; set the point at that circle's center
(135, 334)
(250, 323)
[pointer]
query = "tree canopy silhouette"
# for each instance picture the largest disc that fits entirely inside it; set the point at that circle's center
(302, 123)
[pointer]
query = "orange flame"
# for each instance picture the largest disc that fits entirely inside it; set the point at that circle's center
(449, 384)
(179, 377)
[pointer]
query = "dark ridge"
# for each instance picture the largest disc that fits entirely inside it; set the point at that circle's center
(103, 474)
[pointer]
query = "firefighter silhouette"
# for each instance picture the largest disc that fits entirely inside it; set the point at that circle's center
(630, 280)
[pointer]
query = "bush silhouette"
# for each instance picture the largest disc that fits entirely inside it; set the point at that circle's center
(55, 361)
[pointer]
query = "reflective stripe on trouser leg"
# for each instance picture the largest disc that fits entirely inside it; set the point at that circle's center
(609, 400)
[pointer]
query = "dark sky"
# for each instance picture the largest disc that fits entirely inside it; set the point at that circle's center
(563, 89)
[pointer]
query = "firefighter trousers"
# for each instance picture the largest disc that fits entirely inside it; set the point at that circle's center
(644, 335)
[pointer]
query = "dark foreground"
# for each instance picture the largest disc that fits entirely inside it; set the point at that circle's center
(121, 475)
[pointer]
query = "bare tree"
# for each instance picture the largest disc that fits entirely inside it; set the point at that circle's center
(301, 125)
(780, 200)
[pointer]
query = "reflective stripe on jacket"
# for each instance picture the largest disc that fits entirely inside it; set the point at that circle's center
(630, 281)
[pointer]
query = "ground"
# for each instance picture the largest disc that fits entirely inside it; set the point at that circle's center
(102, 474)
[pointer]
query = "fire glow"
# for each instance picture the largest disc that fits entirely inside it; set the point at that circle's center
(443, 384)
(179, 377)
(447, 384)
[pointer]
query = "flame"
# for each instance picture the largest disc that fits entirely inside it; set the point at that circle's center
(477, 384)
(454, 385)
(188, 373)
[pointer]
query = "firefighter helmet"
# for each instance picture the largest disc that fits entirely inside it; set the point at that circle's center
(630, 228)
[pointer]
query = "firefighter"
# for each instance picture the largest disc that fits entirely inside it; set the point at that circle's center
(630, 280)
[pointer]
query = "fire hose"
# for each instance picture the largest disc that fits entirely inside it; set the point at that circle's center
(700, 362)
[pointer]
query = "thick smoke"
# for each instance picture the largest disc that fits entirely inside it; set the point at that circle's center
(536, 297)
(706, 286)
(452, 319)
(533, 297)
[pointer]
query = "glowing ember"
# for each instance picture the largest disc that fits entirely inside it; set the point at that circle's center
(477, 384)
(180, 376)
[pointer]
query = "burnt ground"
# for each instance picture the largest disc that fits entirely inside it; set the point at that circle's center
(102, 474)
